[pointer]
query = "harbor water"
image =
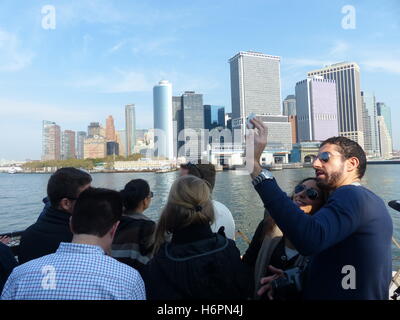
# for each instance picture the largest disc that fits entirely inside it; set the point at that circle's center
(21, 195)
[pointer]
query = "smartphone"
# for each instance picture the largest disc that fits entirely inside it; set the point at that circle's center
(248, 123)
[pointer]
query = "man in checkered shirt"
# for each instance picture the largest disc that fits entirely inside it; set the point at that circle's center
(81, 270)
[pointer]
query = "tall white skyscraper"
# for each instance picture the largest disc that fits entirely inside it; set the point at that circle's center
(162, 111)
(130, 129)
(371, 134)
(348, 92)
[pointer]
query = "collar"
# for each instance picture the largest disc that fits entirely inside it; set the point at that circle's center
(79, 248)
(192, 233)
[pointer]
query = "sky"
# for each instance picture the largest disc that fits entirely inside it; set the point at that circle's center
(103, 54)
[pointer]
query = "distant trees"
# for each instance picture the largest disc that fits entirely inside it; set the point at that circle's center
(87, 164)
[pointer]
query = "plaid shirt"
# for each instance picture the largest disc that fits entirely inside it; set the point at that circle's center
(74, 272)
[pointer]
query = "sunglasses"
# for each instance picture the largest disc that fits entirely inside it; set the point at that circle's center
(325, 156)
(311, 193)
(151, 194)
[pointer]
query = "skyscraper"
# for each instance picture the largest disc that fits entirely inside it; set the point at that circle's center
(130, 128)
(214, 116)
(80, 140)
(348, 95)
(371, 135)
(162, 108)
(110, 129)
(289, 105)
(51, 141)
(189, 114)
(121, 140)
(255, 85)
(94, 129)
(68, 145)
(316, 108)
(385, 140)
(384, 111)
(221, 116)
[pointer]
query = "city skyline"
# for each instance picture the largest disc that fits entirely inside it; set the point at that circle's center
(107, 64)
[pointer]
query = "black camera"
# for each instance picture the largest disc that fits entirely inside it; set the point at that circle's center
(292, 281)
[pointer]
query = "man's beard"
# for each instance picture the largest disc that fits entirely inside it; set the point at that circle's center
(331, 182)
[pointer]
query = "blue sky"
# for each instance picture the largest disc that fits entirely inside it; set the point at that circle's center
(105, 54)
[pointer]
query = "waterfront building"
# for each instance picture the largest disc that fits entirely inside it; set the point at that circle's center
(316, 108)
(385, 140)
(94, 147)
(68, 145)
(162, 110)
(255, 86)
(348, 96)
(120, 136)
(130, 129)
(384, 110)
(371, 143)
(110, 129)
(94, 129)
(51, 141)
(80, 139)
(289, 106)
(228, 120)
(305, 152)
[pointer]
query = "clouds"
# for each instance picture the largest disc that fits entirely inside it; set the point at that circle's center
(12, 56)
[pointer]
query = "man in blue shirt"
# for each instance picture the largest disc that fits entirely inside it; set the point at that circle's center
(349, 239)
(81, 270)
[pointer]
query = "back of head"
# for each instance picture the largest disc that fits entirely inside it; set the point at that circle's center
(349, 148)
(134, 191)
(65, 183)
(204, 171)
(96, 211)
(189, 203)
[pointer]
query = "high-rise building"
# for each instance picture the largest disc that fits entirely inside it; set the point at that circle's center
(293, 123)
(68, 145)
(384, 111)
(348, 95)
(385, 141)
(51, 141)
(188, 112)
(94, 129)
(121, 140)
(162, 110)
(130, 129)
(255, 85)
(94, 147)
(110, 129)
(289, 105)
(228, 120)
(177, 123)
(80, 140)
(112, 148)
(371, 143)
(316, 108)
(214, 116)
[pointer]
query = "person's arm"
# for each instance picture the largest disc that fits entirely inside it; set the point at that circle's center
(312, 234)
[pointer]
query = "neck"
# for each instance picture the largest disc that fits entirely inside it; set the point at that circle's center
(132, 211)
(347, 181)
(91, 240)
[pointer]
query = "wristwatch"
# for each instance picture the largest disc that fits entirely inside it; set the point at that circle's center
(264, 175)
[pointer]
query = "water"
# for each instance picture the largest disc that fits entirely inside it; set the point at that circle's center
(21, 195)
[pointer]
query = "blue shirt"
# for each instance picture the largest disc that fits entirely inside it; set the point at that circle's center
(349, 240)
(74, 272)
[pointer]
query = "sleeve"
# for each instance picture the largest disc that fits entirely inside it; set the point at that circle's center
(139, 292)
(313, 234)
(8, 290)
(251, 253)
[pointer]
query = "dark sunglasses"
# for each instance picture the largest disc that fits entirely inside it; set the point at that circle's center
(311, 193)
(151, 194)
(323, 156)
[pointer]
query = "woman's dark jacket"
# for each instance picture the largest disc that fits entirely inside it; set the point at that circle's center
(7, 264)
(197, 264)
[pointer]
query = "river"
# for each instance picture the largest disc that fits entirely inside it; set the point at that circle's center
(21, 195)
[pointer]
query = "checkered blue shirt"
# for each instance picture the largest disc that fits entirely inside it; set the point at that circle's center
(74, 272)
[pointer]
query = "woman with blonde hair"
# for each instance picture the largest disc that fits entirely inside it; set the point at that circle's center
(196, 263)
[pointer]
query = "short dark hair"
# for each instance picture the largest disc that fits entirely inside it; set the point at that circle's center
(349, 148)
(95, 211)
(65, 183)
(135, 191)
(203, 171)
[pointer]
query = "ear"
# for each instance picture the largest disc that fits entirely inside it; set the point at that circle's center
(64, 204)
(352, 164)
(114, 229)
(70, 224)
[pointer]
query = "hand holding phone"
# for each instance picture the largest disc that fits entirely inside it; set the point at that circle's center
(250, 117)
